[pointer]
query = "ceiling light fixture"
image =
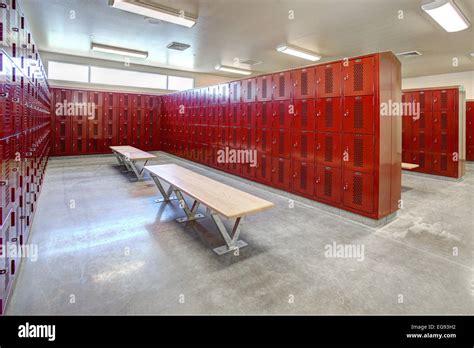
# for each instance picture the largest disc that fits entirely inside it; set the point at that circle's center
(154, 11)
(298, 52)
(119, 50)
(447, 14)
(232, 70)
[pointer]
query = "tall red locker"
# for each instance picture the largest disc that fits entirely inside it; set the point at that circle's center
(327, 183)
(304, 85)
(248, 115)
(224, 93)
(234, 115)
(249, 90)
(444, 99)
(359, 76)
(359, 190)
(281, 84)
(263, 171)
(263, 115)
(281, 173)
(281, 143)
(303, 146)
(358, 152)
(328, 148)
(329, 80)
(328, 114)
(263, 140)
(281, 114)
(302, 177)
(79, 135)
(264, 88)
(247, 138)
(124, 126)
(470, 130)
(235, 92)
(304, 114)
(358, 114)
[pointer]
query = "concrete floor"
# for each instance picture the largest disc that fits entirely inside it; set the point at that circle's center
(105, 247)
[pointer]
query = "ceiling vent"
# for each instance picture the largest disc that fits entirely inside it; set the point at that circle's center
(178, 46)
(251, 62)
(409, 54)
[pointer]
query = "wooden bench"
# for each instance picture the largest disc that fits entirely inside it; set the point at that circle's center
(219, 199)
(128, 157)
(409, 166)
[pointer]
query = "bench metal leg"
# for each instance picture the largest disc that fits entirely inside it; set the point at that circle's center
(119, 158)
(166, 195)
(190, 213)
(133, 166)
(231, 240)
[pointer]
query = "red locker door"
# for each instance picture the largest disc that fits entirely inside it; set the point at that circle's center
(424, 139)
(247, 138)
(235, 89)
(213, 135)
(328, 149)
(263, 172)
(79, 96)
(444, 164)
(281, 86)
(109, 128)
(63, 135)
(234, 115)
(281, 173)
(425, 100)
(359, 76)
(95, 139)
(211, 116)
(249, 94)
(328, 80)
(125, 100)
(425, 122)
(443, 121)
(281, 140)
(203, 96)
(79, 135)
(97, 98)
(328, 185)
(304, 114)
(359, 114)
(423, 159)
(328, 114)
(303, 146)
(281, 114)
(223, 93)
(247, 114)
(223, 136)
(263, 115)
(124, 127)
(304, 83)
(359, 191)
(234, 137)
(223, 115)
(358, 152)
(213, 97)
(443, 142)
(264, 88)
(444, 99)
(302, 177)
(263, 140)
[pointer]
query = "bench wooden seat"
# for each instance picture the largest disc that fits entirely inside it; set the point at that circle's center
(220, 199)
(128, 157)
(409, 166)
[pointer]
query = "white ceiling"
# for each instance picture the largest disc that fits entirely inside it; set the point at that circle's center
(251, 29)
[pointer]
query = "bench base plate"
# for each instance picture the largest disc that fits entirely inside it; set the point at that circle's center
(225, 249)
(161, 200)
(195, 217)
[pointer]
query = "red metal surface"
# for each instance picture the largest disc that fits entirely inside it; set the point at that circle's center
(329, 114)
(281, 84)
(358, 190)
(304, 114)
(327, 183)
(304, 85)
(358, 76)
(329, 80)
(302, 177)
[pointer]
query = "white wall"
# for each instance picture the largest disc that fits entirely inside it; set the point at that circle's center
(200, 80)
(465, 79)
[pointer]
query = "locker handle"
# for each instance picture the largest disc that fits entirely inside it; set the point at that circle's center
(346, 77)
(318, 81)
(346, 114)
(346, 187)
(274, 141)
(318, 113)
(273, 170)
(295, 144)
(257, 140)
(295, 175)
(318, 180)
(3, 271)
(318, 147)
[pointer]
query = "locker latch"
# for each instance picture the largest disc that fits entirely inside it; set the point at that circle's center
(3, 271)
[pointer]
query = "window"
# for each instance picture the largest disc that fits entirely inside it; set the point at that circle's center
(68, 72)
(127, 78)
(177, 83)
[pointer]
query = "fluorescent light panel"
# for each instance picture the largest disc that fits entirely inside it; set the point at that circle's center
(447, 14)
(119, 50)
(148, 10)
(233, 70)
(298, 53)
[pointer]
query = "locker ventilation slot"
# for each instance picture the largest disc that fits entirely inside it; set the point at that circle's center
(249, 113)
(357, 191)
(79, 130)
(281, 111)
(304, 114)
(422, 160)
(422, 120)
(329, 117)
(444, 162)
(63, 96)
(304, 83)
(328, 87)
(96, 129)
(304, 146)
(328, 150)
(327, 183)
(444, 141)
(358, 114)
(444, 100)
(281, 172)
(249, 89)
(234, 95)
(264, 114)
(281, 87)
(264, 89)
(422, 101)
(303, 177)
(358, 77)
(62, 130)
(444, 120)
(111, 100)
(281, 143)
(264, 141)
(234, 114)
(358, 152)
(422, 140)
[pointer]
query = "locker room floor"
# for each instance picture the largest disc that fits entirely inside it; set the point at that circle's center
(105, 247)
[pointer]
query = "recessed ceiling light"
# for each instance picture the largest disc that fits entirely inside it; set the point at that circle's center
(447, 14)
(472, 54)
(298, 52)
(154, 11)
(119, 50)
(232, 70)
(409, 54)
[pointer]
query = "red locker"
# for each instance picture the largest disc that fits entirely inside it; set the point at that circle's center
(210, 115)
(422, 141)
(124, 131)
(304, 114)
(444, 164)
(224, 93)
(328, 114)
(303, 146)
(281, 84)
(213, 135)
(264, 88)
(235, 91)
(444, 100)
(222, 114)
(263, 115)
(97, 98)
(79, 134)
(281, 143)
(234, 167)
(443, 121)
(423, 159)
(359, 114)
(281, 173)
(359, 76)
(233, 134)
(248, 169)
(425, 99)
(234, 115)
(213, 95)
(328, 183)
(304, 85)
(263, 140)
(329, 80)
(247, 138)
(95, 143)
(358, 152)
(359, 191)
(425, 121)
(223, 136)
(249, 92)
(203, 96)
(328, 149)
(444, 142)
(302, 177)
(79, 96)
(281, 114)
(247, 114)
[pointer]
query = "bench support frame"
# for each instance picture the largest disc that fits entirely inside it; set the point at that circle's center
(166, 194)
(130, 165)
(231, 239)
(190, 212)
